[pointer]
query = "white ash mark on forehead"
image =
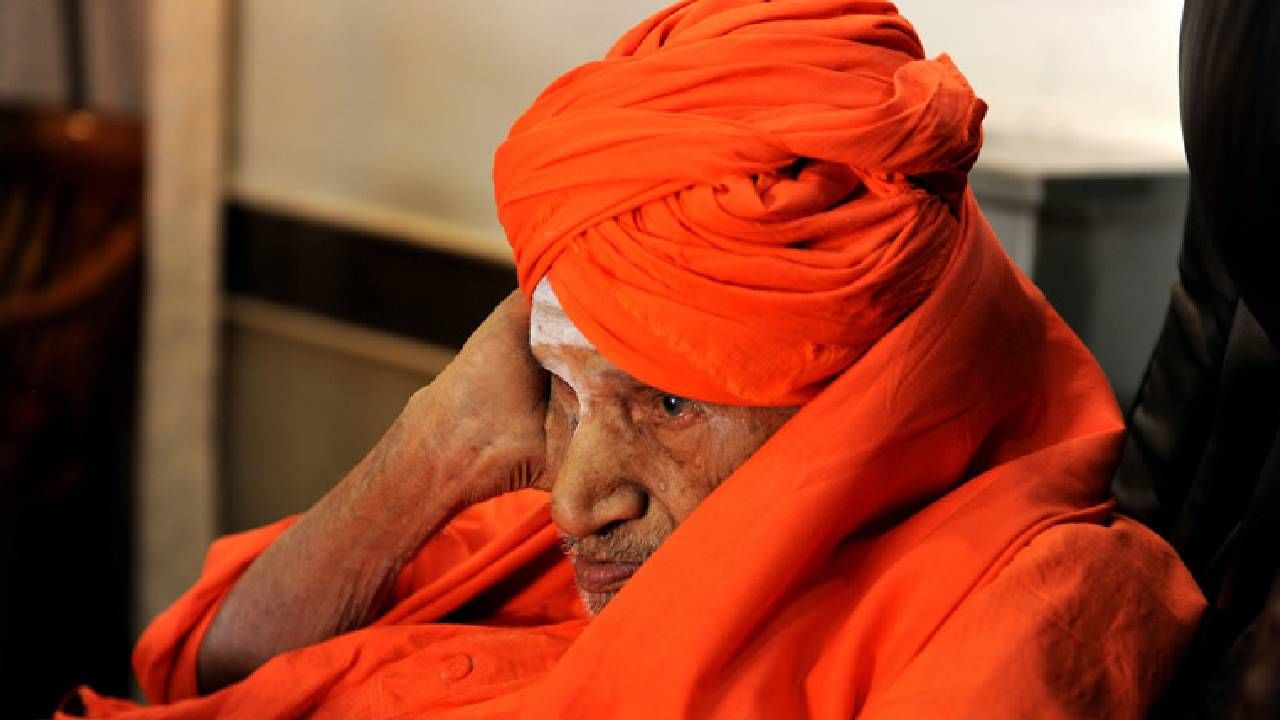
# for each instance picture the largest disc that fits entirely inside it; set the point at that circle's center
(548, 323)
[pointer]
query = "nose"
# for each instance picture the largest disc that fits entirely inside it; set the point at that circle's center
(594, 488)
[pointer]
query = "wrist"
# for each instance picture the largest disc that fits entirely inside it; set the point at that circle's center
(472, 454)
(438, 450)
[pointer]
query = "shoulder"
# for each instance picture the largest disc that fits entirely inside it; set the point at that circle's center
(1085, 621)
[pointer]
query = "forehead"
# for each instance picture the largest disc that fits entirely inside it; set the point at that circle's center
(548, 323)
(561, 347)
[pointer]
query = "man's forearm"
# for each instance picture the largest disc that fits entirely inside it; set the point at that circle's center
(325, 574)
(476, 432)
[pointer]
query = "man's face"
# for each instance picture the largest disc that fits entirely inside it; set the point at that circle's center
(628, 462)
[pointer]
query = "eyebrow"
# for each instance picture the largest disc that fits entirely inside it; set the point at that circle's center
(611, 372)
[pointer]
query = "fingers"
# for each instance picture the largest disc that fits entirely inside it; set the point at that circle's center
(494, 398)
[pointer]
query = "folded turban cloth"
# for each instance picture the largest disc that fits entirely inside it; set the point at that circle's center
(742, 197)
(765, 202)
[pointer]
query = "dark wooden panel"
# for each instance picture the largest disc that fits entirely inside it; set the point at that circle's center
(358, 277)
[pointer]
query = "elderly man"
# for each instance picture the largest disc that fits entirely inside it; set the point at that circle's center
(774, 430)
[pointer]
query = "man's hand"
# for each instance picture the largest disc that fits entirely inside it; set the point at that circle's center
(472, 434)
(487, 409)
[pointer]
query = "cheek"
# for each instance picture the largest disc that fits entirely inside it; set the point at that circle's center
(698, 458)
(739, 432)
(722, 441)
(682, 470)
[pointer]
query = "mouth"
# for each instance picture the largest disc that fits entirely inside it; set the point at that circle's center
(601, 577)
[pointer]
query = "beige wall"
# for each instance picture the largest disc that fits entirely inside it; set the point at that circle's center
(398, 105)
(392, 110)
(304, 399)
(347, 98)
(1086, 72)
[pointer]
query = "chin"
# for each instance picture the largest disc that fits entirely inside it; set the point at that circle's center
(595, 602)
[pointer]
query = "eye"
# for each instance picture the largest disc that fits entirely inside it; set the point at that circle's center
(673, 405)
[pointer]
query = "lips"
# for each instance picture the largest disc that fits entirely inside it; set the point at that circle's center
(602, 576)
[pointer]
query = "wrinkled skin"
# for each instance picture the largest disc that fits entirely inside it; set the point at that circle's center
(626, 463)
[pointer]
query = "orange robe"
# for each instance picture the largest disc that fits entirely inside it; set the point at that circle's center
(929, 537)
(765, 203)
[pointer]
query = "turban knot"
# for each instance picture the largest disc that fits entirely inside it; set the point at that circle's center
(743, 196)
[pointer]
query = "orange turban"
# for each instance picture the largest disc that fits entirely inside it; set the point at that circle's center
(765, 202)
(742, 196)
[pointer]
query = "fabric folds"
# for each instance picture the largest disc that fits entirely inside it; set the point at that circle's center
(742, 197)
(765, 203)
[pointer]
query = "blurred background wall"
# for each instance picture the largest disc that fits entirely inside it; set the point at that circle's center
(355, 242)
(350, 121)
(33, 64)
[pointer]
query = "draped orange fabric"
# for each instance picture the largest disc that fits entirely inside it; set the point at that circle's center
(766, 203)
